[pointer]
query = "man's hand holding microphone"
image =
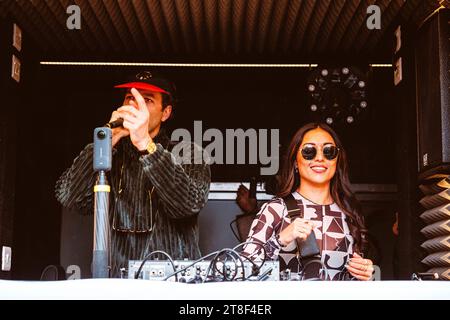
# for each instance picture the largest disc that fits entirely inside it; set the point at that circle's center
(135, 122)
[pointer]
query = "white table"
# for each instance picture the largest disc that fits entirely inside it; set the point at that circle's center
(268, 290)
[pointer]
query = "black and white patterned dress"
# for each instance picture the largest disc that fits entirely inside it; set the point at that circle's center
(330, 228)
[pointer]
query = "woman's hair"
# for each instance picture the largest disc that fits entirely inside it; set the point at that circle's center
(340, 183)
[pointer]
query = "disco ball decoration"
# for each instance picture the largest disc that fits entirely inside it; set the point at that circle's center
(337, 94)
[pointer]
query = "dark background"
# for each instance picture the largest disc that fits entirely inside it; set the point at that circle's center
(221, 98)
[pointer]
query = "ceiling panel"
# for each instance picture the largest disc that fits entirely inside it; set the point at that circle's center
(212, 28)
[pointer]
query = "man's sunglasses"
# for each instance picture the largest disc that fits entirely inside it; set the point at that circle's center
(309, 152)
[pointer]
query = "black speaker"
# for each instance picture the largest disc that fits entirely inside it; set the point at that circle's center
(432, 83)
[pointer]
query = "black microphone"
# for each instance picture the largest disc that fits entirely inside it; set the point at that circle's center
(309, 247)
(115, 124)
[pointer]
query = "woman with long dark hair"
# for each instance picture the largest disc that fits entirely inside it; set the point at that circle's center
(315, 175)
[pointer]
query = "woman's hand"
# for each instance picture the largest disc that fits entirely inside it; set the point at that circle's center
(298, 229)
(361, 269)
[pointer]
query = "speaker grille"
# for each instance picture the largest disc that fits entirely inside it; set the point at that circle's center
(437, 244)
(438, 259)
(437, 218)
(436, 214)
(436, 229)
(435, 184)
(436, 200)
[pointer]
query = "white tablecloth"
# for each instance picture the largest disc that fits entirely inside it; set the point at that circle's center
(268, 290)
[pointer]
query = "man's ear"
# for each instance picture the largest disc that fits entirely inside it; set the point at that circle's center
(166, 113)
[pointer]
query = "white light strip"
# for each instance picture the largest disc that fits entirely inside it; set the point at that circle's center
(194, 65)
(381, 65)
(190, 65)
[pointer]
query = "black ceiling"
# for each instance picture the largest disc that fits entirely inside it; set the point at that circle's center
(218, 29)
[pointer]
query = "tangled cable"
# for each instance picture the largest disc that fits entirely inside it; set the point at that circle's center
(218, 269)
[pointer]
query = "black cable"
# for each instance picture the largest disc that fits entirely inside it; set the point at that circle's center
(257, 243)
(136, 276)
(210, 264)
(234, 255)
(213, 263)
(247, 258)
(231, 252)
(319, 261)
(232, 230)
(192, 264)
(223, 272)
(236, 266)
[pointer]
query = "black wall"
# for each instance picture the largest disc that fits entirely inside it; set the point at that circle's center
(8, 91)
(31, 217)
(83, 97)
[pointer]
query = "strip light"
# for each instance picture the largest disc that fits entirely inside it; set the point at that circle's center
(194, 65)
(381, 65)
(190, 65)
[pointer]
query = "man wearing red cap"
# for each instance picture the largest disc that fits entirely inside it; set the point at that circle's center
(155, 197)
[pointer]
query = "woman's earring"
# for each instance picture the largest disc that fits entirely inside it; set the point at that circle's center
(296, 169)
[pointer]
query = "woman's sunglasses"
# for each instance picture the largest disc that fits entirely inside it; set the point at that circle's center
(309, 152)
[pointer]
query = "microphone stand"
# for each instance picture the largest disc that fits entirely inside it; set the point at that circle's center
(102, 164)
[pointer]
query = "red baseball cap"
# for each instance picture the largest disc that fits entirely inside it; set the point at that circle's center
(146, 81)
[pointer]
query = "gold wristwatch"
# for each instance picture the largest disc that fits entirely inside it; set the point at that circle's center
(150, 148)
